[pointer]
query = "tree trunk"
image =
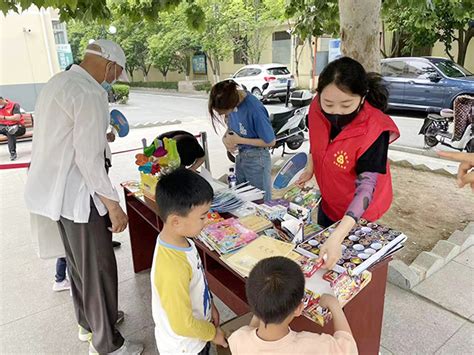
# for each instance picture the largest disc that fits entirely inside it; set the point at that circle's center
(463, 43)
(360, 31)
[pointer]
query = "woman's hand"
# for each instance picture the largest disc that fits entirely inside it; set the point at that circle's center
(330, 252)
(304, 178)
(231, 140)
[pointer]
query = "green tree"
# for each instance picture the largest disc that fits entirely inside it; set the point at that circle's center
(253, 22)
(311, 18)
(174, 43)
(420, 24)
(215, 39)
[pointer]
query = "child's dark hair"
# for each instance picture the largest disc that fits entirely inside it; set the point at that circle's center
(275, 288)
(223, 96)
(180, 191)
(350, 76)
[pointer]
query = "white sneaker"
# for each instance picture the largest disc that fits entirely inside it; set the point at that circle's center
(61, 286)
(84, 335)
(128, 348)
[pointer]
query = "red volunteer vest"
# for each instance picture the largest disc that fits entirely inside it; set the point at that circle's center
(8, 111)
(335, 162)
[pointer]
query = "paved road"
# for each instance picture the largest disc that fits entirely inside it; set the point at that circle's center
(153, 107)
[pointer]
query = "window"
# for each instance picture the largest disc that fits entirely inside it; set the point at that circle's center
(393, 69)
(242, 73)
(452, 69)
(419, 70)
(59, 30)
(254, 72)
(278, 71)
(281, 47)
(281, 36)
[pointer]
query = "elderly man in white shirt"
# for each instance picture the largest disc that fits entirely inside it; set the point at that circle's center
(67, 182)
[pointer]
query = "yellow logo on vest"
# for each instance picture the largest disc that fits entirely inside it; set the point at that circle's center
(341, 160)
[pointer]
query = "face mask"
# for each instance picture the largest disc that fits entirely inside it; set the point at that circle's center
(106, 85)
(340, 121)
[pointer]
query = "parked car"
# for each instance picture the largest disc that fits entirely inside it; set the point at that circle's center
(265, 81)
(425, 83)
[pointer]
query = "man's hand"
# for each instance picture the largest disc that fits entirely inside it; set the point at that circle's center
(219, 339)
(118, 218)
(110, 137)
(465, 170)
(215, 315)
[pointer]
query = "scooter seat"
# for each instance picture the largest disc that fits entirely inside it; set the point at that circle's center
(436, 117)
(282, 116)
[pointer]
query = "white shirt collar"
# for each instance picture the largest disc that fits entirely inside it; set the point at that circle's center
(81, 71)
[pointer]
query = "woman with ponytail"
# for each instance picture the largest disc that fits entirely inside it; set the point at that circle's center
(349, 139)
(249, 132)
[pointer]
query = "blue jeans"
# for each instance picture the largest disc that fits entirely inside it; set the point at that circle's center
(254, 165)
(60, 269)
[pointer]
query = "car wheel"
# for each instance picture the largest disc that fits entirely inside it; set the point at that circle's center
(282, 99)
(295, 143)
(257, 93)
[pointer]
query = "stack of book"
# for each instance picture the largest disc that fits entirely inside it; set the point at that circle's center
(226, 236)
(256, 223)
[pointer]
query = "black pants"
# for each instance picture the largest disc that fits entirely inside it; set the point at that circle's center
(205, 350)
(12, 137)
(323, 219)
(93, 272)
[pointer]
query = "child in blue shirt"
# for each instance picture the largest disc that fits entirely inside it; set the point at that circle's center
(249, 132)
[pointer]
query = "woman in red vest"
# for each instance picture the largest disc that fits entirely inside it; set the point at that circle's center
(11, 124)
(349, 139)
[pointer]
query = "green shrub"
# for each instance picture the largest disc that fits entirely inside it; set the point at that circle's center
(169, 85)
(121, 93)
(206, 86)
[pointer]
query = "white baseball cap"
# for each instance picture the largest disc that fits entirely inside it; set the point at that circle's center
(113, 52)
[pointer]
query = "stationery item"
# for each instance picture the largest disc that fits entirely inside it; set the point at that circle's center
(255, 223)
(310, 266)
(261, 248)
(366, 244)
(278, 234)
(308, 197)
(214, 217)
(272, 212)
(227, 236)
(247, 209)
(294, 227)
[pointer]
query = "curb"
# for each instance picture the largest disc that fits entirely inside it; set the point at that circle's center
(155, 124)
(417, 151)
(195, 94)
(420, 167)
(427, 263)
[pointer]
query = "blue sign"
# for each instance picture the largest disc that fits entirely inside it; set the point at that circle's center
(64, 55)
(199, 64)
(334, 49)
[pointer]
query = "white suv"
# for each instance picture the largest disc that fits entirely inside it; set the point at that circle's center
(265, 81)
